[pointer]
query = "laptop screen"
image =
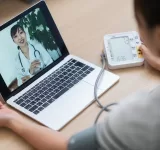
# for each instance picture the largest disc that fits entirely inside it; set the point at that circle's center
(27, 46)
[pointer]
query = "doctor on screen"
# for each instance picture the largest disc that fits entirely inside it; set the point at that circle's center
(30, 60)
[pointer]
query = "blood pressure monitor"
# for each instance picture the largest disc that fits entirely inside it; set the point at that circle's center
(122, 50)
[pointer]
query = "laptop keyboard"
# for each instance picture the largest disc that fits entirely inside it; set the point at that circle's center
(52, 87)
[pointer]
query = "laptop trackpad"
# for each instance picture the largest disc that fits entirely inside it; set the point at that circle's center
(68, 105)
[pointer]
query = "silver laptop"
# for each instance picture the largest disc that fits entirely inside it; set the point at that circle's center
(38, 76)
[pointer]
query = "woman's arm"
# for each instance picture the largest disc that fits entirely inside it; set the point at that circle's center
(38, 136)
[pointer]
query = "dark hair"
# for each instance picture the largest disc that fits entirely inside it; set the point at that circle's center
(15, 28)
(150, 10)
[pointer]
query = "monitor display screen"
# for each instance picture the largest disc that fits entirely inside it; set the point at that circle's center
(121, 49)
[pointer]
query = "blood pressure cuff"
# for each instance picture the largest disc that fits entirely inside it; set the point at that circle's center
(85, 140)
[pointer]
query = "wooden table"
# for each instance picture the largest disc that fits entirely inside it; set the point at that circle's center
(83, 23)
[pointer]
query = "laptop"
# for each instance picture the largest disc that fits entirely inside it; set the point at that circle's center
(38, 76)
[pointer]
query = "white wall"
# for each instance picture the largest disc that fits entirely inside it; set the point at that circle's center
(8, 53)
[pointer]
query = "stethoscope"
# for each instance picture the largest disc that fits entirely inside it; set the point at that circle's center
(35, 51)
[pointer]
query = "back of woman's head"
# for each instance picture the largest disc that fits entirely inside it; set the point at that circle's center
(149, 10)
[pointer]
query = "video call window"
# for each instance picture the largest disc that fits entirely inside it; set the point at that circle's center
(27, 47)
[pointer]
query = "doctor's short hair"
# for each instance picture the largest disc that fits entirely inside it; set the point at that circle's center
(15, 28)
(150, 11)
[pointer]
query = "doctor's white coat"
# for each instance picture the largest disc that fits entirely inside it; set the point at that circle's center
(23, 70)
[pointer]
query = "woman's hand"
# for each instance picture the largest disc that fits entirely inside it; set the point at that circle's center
(147, 54)
(24, 79)
(152, 59)
(34, 65)
(7, 115)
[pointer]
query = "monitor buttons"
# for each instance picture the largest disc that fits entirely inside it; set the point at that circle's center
(131, 39)
(133, 46)
(135, 55)
(139, 53)
(138, 43)
(136, 37)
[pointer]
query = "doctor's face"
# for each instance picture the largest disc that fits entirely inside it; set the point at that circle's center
(20, 38)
